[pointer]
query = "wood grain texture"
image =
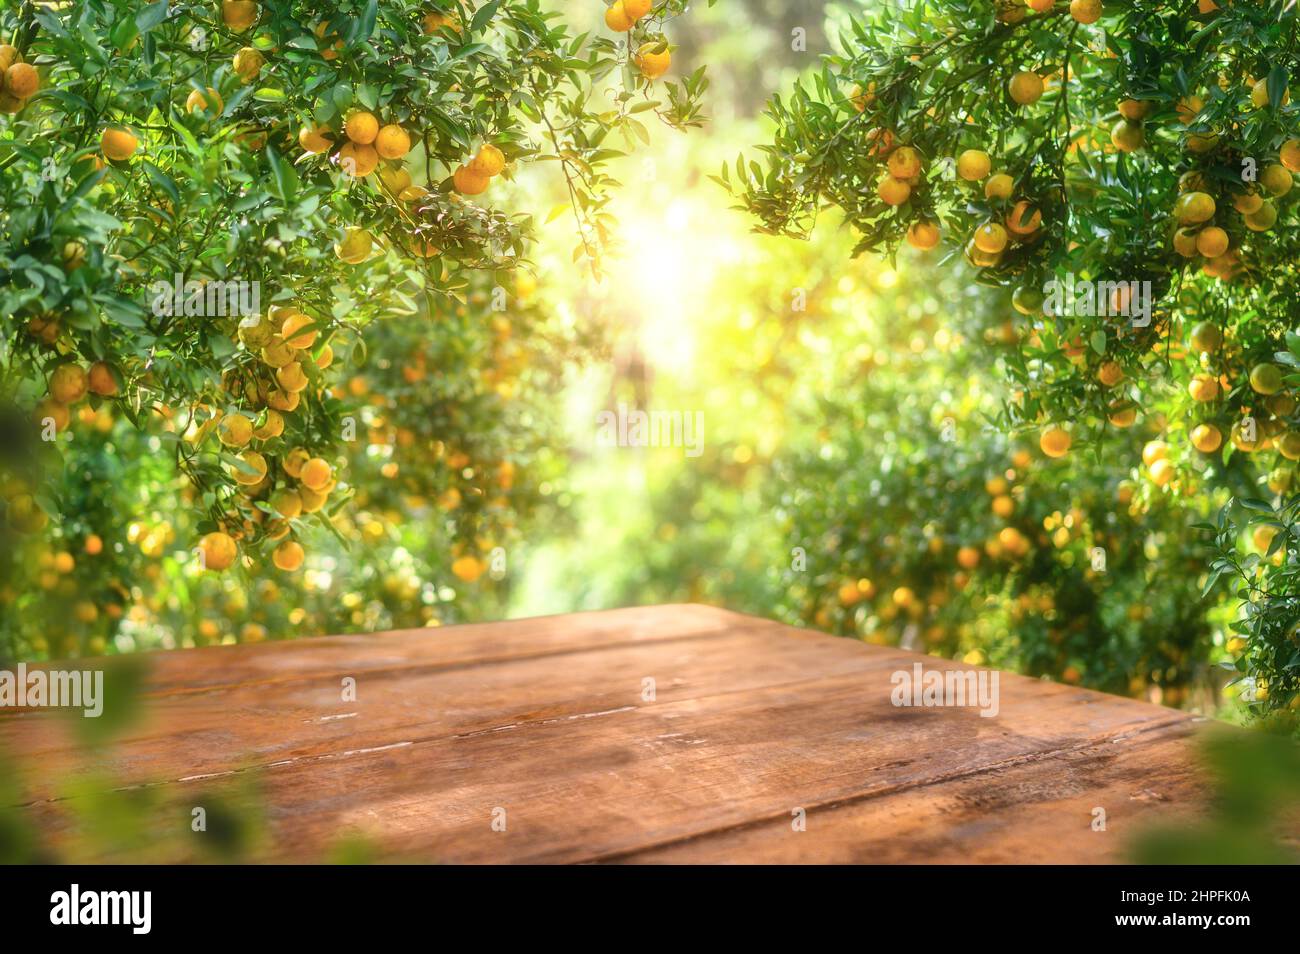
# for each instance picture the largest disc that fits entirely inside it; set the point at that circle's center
(546, 720)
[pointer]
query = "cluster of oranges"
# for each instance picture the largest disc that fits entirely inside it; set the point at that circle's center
(69, 383)
(19, 81)
(991, 238)
(653, 57)
(367, 143)
(281, 340)
(476, 175)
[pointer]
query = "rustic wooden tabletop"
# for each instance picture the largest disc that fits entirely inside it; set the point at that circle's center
(662, 734)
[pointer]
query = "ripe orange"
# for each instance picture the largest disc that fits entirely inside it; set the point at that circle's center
(1025, 88)
(22, 80)
(248, 63)
(1055, 441)
(1203, 387)
(68, 383)
(101, 380)
(1212, 241)
(313, 139)
(1110, 374)
(1016, 219)
(1162, 472)
(219, 550)
(968, 558)
(617, 18)
(1207, 438)
(1290, 154)
(904, 163)
(1266, 378)
(209, 102)
(1128, 136)
(254, 469)
(362, 128)
(991, 238)
(1193, 208)
(235, 431)
(893, 191)
(118, 144)
(1134, 109)
(239, 15)
(1276, 179)
(358, 161)
(636, 9)
(468, 182)
(293, 323)
(489, 161)
(923, 235)
(288, 556)
(652, 64)
(316, 474)
(1086, 11)
(1153, 451)
(354, 247)
(392, 142)
(973, 165)
(999, 186)
(286, 503)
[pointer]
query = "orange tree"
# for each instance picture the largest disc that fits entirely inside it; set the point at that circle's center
(212, 210)
(1125, 169)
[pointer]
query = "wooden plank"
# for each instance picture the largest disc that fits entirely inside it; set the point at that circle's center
(1039, 810)
(751, 720)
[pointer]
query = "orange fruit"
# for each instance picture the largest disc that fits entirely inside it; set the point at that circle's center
(973, 165)
(1207, 438)
(990, 237)
(293, 324)
(22, 80)
(209, 102)
(253, 471)
(893, 191)
(313, 139)
(288, 556)
(468, 182)
(1212, 241)
(101, 380)
(1162, 472)
(1153, 451)
(1110, 374)
(1016, 219)
(617, 18)
(68, 383)
(392, 142)
(489, 161)
(219, 550)
(316, 474)
(1203, 387)
(362, 128)
(358, 161)
(118, 144)
(239, 15)
(923, 235)
(1025, 87)
(904, 163)
(1085, 11)
(1290, 154)
(652, 64)
(999, 186)
(1266, 378)
(248, 63)
(1055, 441)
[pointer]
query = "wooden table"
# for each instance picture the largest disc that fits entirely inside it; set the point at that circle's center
(548, 725)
